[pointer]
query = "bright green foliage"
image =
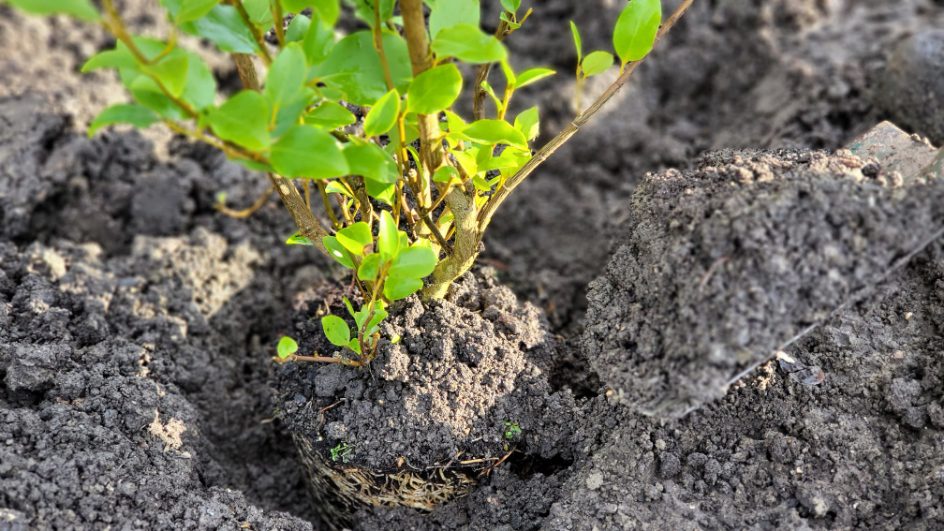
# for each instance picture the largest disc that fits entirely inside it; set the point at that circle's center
(512, 431)
(342, 452)
(82, 9)
(434, 90)
(383, 114)
(367, 154)
(135, 115)
(636, 29)
(286, 347)
(596, 63)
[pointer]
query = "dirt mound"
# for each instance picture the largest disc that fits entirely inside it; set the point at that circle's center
(858, 450)
(720, 266)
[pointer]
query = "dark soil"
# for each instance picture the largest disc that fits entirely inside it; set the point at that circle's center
(462, 368)
(719, 267)
(131, 312)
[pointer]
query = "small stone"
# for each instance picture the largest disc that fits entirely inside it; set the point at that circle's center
(594, 480)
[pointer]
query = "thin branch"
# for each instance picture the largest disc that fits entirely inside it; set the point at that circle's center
(256, 34)
(246, 212)
(485, 216)
(377, 30)
(481, 76)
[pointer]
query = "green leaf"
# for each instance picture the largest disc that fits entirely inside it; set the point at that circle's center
(338, 252)
(305, 151)
(369, 268)
(511, 5)
(135, 115)
(119, 57)
(578, 42)
(330, 115)
(298, 239)
(371, 162)
(445, 174)
(259, 12)
(318, 41)
(243, 119)
(596, 63)
(469, 44)
(335, 187)
(495, 132)
(82, 9)
(383, 115)
(447, 13)
(285, 86)
(172, 72)
(286, 347)
(380, 191)
(336, 330)
(435, 89)
(401, 288)
(297, 28)
(354, 68)
(191, 10)
(528, 122)
(417, 261)
(533, 75)
(636, 28)
(355, 237)
(388, 241)
(328, 10)
(225, 28)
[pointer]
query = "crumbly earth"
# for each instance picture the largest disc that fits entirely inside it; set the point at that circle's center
(133, 363)
(857, 448)
(463, 367)
(720, 266)
(775, 453)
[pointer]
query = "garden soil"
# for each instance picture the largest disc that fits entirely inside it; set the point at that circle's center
(136, 323)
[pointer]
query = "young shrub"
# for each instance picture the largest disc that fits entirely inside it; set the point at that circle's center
(407, 196)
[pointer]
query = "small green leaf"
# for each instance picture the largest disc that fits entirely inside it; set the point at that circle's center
(297, 29)
(417, 261)
(596, 63)
(191, 10)
(259, 12)
(578, 42)
(82, 9)
(380, 191)
(445, 174)
(243, 119)
(448, 13)
(119, 57)
(636, 28)
(330, 115)
(225, 28)
(286, 347)
(135, 115)
(401, 288)
(528, 122)
(305, 151)
(495, 132)
(172, 72)
(318, 41)
(469, 44)
(511, 5)
(369, 268)
(328, 10)
(371, 162)
(355, 237)
(286, 78)
(336, 330)
(388, 241)
(338, 252)
(435, 89)
(383, 115)
(533, 75)
(298, 239)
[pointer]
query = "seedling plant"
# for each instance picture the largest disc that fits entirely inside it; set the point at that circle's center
(362, 127)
